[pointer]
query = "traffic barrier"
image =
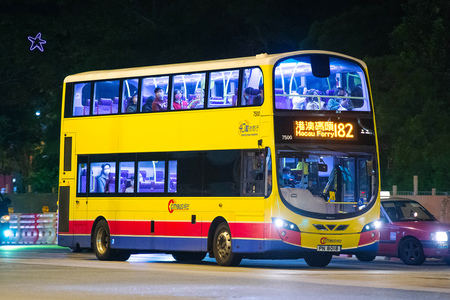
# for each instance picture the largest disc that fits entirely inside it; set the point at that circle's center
(32, 229)
(46, 225)
(28, 229)
(15, 236)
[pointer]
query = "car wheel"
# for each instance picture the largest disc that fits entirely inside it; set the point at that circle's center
(318, 260)
(411, 252)
(101, 243)
(222, 247)
(365, 256)
(189, 256)
(447, 260)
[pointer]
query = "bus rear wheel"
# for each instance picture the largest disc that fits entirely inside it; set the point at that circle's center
(189, 256)
(318, 259)
(101, 242)
(222, 247)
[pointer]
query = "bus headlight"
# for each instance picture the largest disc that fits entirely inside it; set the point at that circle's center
(283, 224)
(371, 226)
(439, 236)
(4, 219)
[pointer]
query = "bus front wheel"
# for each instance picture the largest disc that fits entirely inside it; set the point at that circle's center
(365, 256)
(318, 260)
(222, 247)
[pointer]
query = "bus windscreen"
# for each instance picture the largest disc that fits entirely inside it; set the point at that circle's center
(330, 83)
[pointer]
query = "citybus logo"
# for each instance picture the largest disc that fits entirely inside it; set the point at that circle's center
(246, 129)
(174, 206)
(325, 240)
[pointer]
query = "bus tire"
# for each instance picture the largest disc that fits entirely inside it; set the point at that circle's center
(318, 260)
(222, 247)
(189, 256)
(411, 252)
(122, 255)
(365, 256)
(101, 242)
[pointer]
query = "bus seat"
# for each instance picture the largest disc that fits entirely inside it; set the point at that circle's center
(116, 100)
(114, 108)
(83, 184)
(173, 185)
(144, 174)
(112, 182)
(159, 176)
(124, 174)
(79, 111)
(104, 106)
(86, 107)
(282, 100)
(145, 187)
(125, 104)
(158, 185)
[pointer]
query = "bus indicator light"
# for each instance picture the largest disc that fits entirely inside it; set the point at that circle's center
(324, 130)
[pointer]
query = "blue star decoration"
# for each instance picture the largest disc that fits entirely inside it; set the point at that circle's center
(37, 42)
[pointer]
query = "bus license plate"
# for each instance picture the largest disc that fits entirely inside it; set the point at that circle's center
(329, 248)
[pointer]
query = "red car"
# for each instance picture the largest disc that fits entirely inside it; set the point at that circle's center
(409, 231)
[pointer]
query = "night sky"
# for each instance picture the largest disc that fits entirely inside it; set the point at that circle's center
(90, 35)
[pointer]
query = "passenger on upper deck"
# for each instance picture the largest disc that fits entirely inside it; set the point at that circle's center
(198, 102)
(339, 103)
(148, 104)
(102, 179)
(253, 96)
(299, 102)
(178, 103)
(159, 104)
(132, 103)
(314, 103)
(258, 100)
(357, 92)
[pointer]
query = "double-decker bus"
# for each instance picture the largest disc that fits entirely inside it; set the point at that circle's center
(271, 156)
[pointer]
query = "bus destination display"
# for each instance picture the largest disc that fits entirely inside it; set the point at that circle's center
(328, 130)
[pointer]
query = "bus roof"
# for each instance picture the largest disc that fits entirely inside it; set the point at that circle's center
(257, 60)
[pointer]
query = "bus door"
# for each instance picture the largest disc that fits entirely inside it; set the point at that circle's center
(253, 173)
(79, 206)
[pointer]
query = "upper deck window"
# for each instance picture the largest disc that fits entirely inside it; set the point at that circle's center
(320, 82)
(223, 87)
(81, 99)
(154, 94)
(129, 95)
(106, 97)
(252, 87)
(191, 91)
